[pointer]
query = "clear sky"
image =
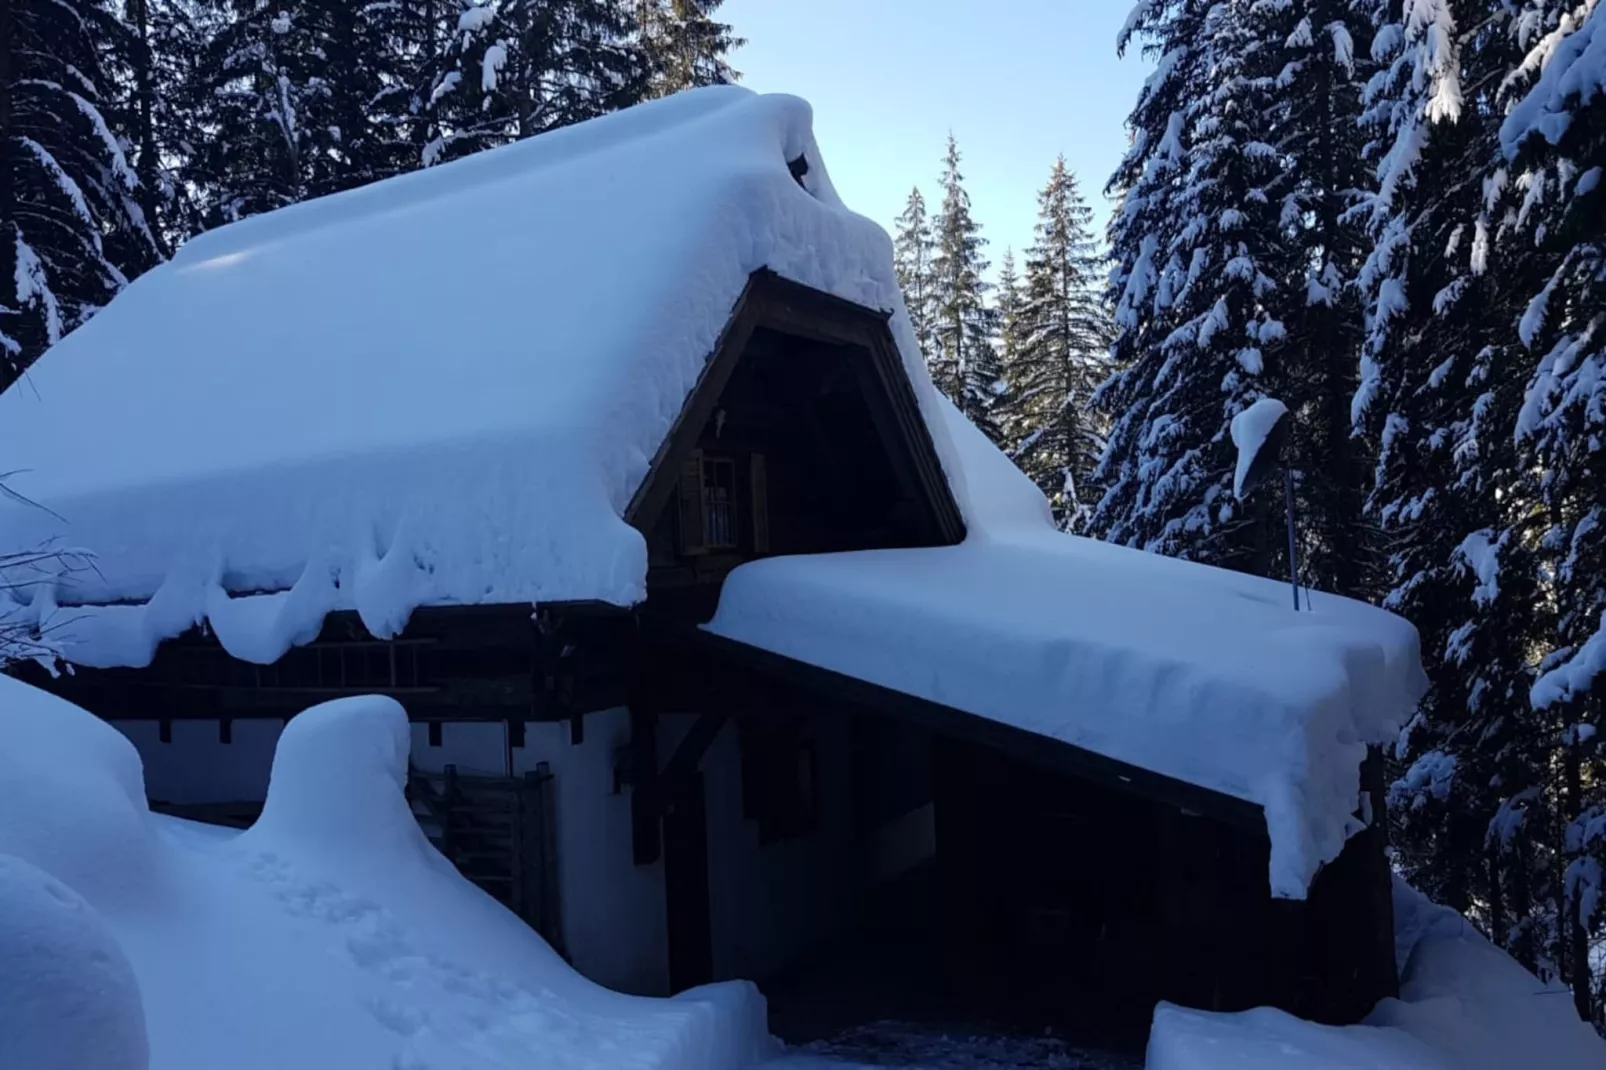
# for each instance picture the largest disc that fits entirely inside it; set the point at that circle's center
(1017, 81)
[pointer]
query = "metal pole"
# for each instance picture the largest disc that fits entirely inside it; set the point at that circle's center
(1293, 543)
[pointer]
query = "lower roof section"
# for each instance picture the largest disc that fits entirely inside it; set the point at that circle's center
(1196, 674)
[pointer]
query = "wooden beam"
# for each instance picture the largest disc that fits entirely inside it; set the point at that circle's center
(654, 787)
(652, 793)
(779, 304)
(662, 477)
(646, 846)
(834, 692)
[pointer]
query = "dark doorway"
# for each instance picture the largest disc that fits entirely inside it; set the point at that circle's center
(691, 954)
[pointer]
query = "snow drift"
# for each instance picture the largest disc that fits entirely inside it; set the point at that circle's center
(68, 999)
(331, 934)
(1464, 1005)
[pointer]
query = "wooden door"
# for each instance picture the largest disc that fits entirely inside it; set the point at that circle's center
(691, 952)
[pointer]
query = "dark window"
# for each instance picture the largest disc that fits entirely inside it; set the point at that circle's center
(719, 503)
(780, 784)
(708, 518)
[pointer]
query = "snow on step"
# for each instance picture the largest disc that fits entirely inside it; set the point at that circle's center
(1201, 674)
(328, 935)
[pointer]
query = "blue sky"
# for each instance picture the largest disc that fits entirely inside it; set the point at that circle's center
(1018, 82)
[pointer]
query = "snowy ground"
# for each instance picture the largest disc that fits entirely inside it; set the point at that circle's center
(329, 935)
(1464, 1005)
(907, 1046)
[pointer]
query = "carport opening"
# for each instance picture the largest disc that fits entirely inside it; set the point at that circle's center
(991, 893)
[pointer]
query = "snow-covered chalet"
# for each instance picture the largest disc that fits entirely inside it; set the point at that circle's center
(731, 648)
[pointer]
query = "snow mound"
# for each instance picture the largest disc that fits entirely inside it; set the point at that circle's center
(331, 934)
(68, 999)
(339, 772)
(1197, 673)
(1269, 1039)
(1467, 998)
(341, 469)
(72, 796)
(1464, 1005)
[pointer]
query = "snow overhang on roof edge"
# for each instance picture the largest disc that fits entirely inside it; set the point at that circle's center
(213, 494)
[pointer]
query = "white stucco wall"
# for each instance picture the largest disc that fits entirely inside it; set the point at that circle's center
(769, 903)
(613, 910)
(197, 768)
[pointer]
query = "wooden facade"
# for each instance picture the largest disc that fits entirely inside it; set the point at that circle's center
(1062, 875)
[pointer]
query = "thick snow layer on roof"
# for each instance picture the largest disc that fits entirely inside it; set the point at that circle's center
(1464, 1005)
(1201, 674)
(439, 389)
(330, 934)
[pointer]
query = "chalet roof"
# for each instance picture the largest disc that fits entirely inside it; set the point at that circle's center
(439, 389)
(444, 389)
(1195, 673)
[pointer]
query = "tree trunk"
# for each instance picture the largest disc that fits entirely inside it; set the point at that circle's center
(145, 166)
(1577, 937)
(1340, 513)
(1522, 948)
(1497, 899)
(8, 196)
(424, 129)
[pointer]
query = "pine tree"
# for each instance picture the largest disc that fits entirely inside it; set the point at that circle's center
(299, 100)
(425, 68)
(522, 67)
(1317, 55)
(161, 112)
(965, 364)
(1484, 483)
(1553, 141)
(1062, 355)
(71, 227)
(1201, 264)
(914, 250)
(1011, 302)
(1427, 357)
(685, 46)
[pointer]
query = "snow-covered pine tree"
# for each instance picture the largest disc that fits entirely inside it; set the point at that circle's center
(1553, 141)
(1201, 265)
(409, 56)
(288, 89)
(1011, 300)
(71, 227)
(685, 45)
(913, 250)
(1425, 357)
(427, 29)
(162, 108)
(1317, 54)
(964, 363)
(519, 68)
(1061, 353)
(1473, 502)
(1008, 321)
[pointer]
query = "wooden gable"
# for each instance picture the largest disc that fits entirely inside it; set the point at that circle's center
(803, 435)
